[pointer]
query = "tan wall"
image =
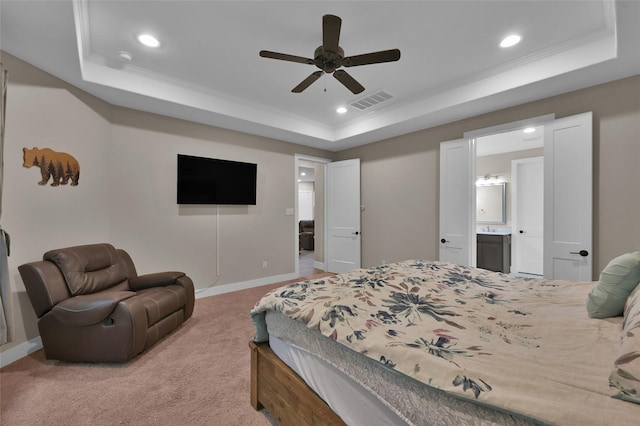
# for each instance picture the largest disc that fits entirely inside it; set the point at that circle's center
(400, 176)
(46, 113)
(127, 185)
(127, 191)
(147, 220)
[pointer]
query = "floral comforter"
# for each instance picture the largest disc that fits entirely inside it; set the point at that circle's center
(486, 336)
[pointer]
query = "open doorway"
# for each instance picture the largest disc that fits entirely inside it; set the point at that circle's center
(509, 201)
(568, 196)
(310, 215)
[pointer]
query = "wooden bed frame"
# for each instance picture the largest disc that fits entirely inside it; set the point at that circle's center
(276, 387)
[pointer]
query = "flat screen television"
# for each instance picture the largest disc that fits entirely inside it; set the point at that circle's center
(213, 181)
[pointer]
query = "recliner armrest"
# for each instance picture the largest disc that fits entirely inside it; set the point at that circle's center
(88, 309)
(158, 279)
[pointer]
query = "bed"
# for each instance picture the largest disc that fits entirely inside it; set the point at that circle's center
(426, 342)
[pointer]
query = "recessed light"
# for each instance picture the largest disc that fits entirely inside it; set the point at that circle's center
(529, 130)
(303, 174)
(148, 40)
(341, 110)
(511, 40)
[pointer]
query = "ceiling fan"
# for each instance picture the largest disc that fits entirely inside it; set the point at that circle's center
(329, 57)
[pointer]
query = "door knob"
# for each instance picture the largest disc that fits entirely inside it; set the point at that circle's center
(521, 231)
(582, 253)
(356, 233)
(444, 241)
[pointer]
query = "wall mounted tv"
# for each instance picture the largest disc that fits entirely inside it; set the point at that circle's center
(213, 181)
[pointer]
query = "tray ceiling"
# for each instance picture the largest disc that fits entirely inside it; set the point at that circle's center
(207, 68)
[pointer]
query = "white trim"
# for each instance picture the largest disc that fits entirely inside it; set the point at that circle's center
(20, 351)
(296, 163)
(227, 288)
(513, 125)
(320, 265)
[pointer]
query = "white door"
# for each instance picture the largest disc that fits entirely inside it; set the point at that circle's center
(568, 201)
(343, 216)
(457, 201)
(527, 180)
(305, 205)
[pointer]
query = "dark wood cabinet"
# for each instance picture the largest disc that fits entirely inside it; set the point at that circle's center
(494, 252)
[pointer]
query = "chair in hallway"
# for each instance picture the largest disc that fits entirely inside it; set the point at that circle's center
(306, 234)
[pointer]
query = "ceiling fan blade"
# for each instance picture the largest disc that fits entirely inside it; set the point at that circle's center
(372, 58)
(349, 82)
(307, 82)
(285, 57)
(330, 33)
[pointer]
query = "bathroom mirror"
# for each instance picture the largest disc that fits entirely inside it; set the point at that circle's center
(491, 205)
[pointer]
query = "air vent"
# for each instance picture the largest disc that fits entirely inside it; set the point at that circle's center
(371, 100)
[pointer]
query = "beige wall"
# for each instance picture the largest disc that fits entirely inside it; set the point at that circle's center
(400, 176)
(42, 112)
(127, 191)
(127, 185)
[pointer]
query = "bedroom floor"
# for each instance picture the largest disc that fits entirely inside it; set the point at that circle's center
(306, 259)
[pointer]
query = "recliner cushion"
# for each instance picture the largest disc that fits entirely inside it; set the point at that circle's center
(85, 310)
(90, 268)
(158, 279)
(161, 302)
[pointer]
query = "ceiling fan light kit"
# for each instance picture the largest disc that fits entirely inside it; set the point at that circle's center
(330, 57)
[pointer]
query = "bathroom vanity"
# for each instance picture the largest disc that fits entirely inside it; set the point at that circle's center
(494, 251)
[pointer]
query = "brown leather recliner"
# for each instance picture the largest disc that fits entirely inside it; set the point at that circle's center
(306, 234)
(94, 307)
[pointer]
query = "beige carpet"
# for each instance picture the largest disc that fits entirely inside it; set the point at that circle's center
(199, 375)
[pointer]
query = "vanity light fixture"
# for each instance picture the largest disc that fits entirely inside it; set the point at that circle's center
(510, 40)
(148, 40)
(489, 180)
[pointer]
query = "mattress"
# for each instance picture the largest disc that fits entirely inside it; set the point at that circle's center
(362, 392)
(438, 343)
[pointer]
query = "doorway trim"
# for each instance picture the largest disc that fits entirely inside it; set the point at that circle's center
(507, 127)
(471, 136)
(296, 248)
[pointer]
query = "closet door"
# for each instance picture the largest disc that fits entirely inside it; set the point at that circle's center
(527, 200)
(568, 198)
(343, 216)
(457, 202)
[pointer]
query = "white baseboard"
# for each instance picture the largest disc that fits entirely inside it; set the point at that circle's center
(212, 291)
(20, 351)
(11, 355)
(320, 265)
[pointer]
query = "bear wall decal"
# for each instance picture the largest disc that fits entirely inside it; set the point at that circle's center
(59, 166)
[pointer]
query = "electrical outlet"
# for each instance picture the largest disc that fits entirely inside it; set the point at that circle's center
(264, 264)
